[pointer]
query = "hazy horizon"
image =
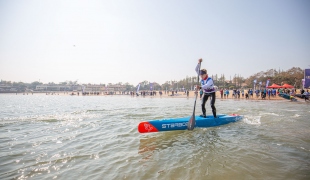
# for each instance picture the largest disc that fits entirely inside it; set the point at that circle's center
(132, 41)
(226, 79)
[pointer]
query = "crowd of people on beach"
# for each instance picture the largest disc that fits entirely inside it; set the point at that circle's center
(154, 93)
(224, 93)
(260, 93)
(145, 93)
(241, 93)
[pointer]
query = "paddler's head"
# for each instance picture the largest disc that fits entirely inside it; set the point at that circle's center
(203, 74)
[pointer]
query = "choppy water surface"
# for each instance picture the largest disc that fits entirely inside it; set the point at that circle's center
(75, 137)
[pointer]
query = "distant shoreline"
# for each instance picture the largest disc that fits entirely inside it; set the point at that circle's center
(164, 95)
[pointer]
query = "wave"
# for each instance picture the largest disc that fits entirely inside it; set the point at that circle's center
(253, 120)
(50, 118)
(95, 110)
(273, 114)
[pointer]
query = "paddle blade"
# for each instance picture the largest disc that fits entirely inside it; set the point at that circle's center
(191, 123)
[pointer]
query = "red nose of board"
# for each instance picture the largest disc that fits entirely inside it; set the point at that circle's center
(234, 114)
(145, 127)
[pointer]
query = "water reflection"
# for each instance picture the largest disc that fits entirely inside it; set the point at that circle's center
(97, 137)
(206, 140)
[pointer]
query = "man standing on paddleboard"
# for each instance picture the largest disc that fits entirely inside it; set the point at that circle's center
(207, 86)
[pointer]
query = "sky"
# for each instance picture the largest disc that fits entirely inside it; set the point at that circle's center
(112, 41)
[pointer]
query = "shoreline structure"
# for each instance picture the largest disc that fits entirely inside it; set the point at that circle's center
(179, 94)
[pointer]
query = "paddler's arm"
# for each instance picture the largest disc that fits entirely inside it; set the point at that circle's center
(198, 66)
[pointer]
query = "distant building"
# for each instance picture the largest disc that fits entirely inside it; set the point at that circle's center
(86, 88)
(116, 88)
(8, 89)
(93, 88)
(244, 85)
(52, 87)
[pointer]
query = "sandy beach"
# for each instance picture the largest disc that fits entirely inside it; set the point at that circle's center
(164, 95)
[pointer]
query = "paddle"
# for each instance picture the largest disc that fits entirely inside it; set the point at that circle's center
(192, 121)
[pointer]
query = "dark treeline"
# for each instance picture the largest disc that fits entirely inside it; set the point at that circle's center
(292, 76)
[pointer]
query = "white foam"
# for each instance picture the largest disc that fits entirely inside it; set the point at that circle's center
(291, 110)
(273, 114)
(254, 120)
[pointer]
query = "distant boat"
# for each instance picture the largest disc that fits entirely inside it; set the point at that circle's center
(287, 96)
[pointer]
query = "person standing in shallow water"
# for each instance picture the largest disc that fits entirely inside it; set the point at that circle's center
(207, 86)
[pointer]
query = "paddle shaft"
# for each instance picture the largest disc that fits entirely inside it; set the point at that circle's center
(192, 121)
(195, 104)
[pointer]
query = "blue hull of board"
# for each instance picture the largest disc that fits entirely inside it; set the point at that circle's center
(174, 124)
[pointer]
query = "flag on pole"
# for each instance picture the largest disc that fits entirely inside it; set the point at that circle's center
(307, 78)
(303, 83)
(254, 83)
(138, 87)
(267, 83)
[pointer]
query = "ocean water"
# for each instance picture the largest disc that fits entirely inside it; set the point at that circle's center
(96, 137)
